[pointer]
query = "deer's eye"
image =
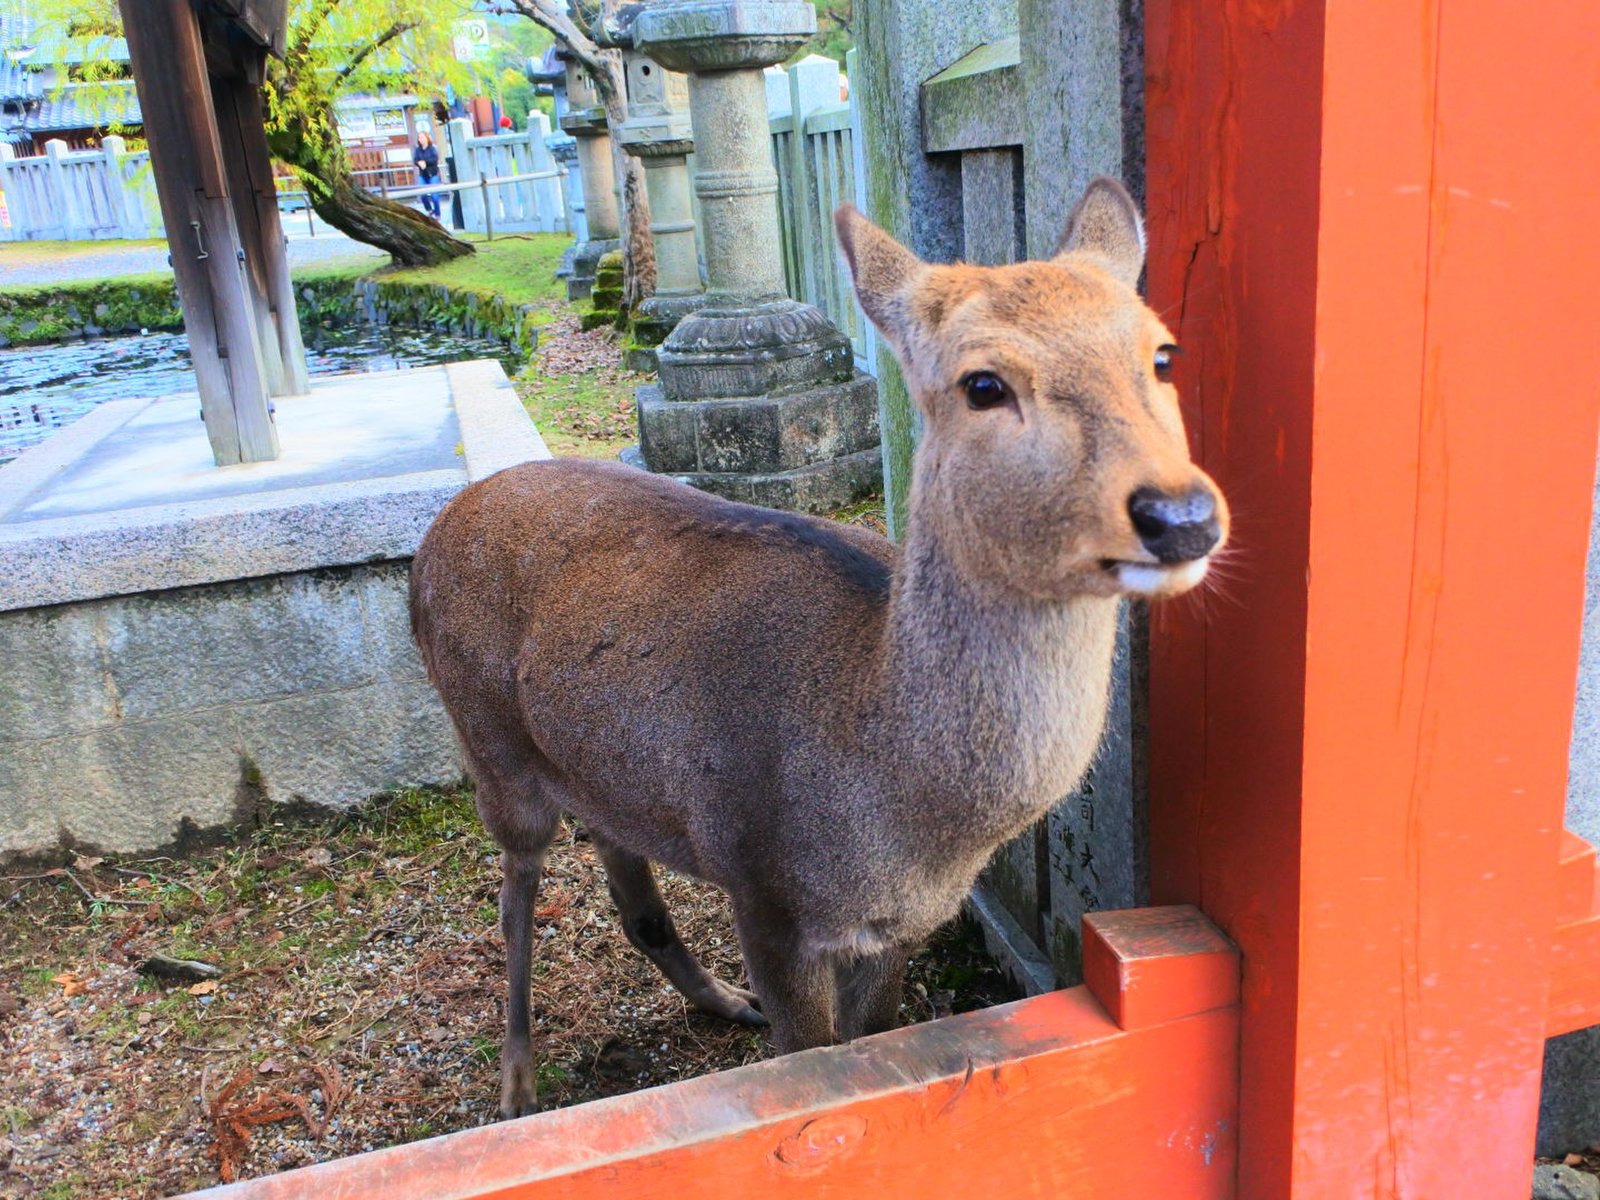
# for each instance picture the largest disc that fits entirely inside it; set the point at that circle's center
(985, 389)
(1163, 362)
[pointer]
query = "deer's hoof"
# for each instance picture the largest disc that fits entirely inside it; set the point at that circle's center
(749, 1016)
(731, 1004)
(519, 1089)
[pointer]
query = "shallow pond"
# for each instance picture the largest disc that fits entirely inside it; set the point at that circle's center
(43, 388)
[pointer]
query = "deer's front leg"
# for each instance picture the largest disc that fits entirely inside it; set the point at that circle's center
(869, 993)
(798, 992)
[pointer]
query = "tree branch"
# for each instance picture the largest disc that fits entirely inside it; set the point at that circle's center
(552, 14)
(382, 40)
(308, 28)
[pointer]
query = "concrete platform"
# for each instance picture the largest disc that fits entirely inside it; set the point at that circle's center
(183, 646)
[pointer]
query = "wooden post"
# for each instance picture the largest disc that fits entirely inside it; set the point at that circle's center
(1362, 230)
(174, 87)
(241, 122)
(473, 209)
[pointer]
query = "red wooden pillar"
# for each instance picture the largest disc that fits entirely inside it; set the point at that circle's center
(1369, 228)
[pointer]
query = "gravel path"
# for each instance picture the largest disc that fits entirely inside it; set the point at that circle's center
(23, 263)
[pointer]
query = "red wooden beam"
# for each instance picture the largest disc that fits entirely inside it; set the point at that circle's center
(1362, 226)
(1046, 1097)
(1575, 963)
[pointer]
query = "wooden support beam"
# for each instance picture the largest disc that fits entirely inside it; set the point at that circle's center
(1046, 1097)
(202, 235)
(241, 122)
(1362, 224)
(1575, 962)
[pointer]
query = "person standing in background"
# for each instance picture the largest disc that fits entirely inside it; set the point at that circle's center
(427, 160)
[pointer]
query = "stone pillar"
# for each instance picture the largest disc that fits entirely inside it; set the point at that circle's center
(586, 120)
(915, 196)
(548, 74)
(657, 132)
(563, 148)
(759, 397)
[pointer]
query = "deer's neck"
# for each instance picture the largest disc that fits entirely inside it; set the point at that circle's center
(997, 699)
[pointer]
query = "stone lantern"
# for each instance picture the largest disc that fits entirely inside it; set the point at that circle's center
(548, 74)
(658, 133)
(585, 120)
(759, 399)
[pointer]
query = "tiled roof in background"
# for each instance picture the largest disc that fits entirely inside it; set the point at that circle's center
(78, 106)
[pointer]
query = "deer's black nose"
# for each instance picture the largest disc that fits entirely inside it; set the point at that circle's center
(1177, 528)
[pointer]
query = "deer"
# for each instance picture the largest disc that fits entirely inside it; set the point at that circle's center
(835, 730)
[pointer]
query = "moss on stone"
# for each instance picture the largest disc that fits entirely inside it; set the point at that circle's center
(598, 318)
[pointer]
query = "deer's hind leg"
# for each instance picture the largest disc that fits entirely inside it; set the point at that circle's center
(649, 927)
(523, 821)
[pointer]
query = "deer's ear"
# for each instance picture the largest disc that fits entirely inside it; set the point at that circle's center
(882, 269)
(1106, 224)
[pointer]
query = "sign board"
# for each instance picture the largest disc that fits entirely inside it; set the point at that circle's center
(470, 39)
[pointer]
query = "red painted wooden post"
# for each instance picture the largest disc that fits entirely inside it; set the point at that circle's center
(1367, 227)
(1047, 1097)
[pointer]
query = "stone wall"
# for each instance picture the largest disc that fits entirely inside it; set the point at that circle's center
(120, 717)
(38, 315)
(183, 647)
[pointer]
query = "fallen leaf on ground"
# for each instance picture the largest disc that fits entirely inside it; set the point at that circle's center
(71, 985)
(203, 989)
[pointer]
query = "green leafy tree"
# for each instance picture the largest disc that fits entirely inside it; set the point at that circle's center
(836, 35)
(346, 46)
(583, 29)
(335, 48)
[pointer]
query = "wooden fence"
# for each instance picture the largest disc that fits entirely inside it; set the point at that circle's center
(816, 149)
(533, 205)
(78, 195)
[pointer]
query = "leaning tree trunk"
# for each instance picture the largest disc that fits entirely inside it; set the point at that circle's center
(413, 239)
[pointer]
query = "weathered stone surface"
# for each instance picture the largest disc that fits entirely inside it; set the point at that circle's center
(750, 351)
(127, 787)
(976, 103)
(821, 488)
(145, 511)
(298, 687)
(767, 422)
(914, 195)
(724, 35)
(1083, 118)
(759, 434)
(585, 262)
(155, 703)
(1563, 1183)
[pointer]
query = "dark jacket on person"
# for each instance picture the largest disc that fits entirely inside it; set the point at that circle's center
(427, 160)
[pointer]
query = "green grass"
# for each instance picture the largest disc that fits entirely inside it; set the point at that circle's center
(583, 415)
(42, 252)
(520, 267)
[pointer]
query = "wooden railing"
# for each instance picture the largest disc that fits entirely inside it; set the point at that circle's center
(815, 148)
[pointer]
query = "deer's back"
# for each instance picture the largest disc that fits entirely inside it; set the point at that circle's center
(678, 661)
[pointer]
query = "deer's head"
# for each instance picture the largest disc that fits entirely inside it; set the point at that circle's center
(1053, 456)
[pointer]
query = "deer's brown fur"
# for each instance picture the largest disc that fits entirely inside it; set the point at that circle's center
(836, 731)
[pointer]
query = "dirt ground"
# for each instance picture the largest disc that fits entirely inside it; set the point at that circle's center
(359, 1005)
